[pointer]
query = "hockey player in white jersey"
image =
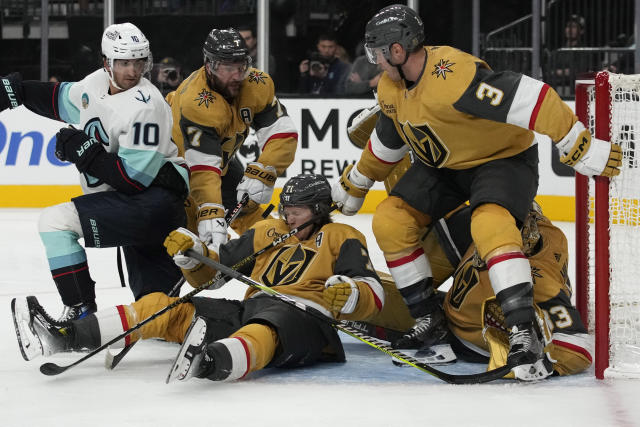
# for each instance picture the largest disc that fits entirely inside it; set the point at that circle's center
(134, 182)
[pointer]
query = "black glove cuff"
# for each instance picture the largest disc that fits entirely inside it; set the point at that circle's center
(11, 94)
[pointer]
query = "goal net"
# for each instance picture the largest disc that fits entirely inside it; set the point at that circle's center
(608, 227)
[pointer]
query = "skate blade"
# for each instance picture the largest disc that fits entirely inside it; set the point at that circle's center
(181, 368)
(537, 371)
(437, 355)
(28, 341)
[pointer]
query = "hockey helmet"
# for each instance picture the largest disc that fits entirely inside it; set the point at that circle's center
(397, 23)
(306, 190)
(225, 45)
(125, 41)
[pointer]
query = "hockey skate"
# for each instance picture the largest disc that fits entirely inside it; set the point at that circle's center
(192, 359)
(526, 352)
(435, 351)
(424, 332)
(78, 311)
(37, 332)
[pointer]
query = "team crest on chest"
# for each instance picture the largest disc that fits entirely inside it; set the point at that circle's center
(205, 97)
(442, 68)
(257, 77)
(288, 265)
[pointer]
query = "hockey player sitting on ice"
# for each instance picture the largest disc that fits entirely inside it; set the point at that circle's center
(129, 170)
(326, 266)
(471, 132)
(213, 110)
(474, 326)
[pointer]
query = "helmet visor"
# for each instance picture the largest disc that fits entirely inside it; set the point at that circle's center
(139, 65)
(373, 52)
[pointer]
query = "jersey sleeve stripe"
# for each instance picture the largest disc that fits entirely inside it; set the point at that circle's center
(526, 99)
(126, 177)
(66, 110)
(54, 95)
(284, 125)
(536, 109)
(385, 155)
(196, 159)
(293, 135)
(376, 290)
(195, 168)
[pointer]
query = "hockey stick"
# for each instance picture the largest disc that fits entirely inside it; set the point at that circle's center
(111, 360)
(50, 368)
(342, 326)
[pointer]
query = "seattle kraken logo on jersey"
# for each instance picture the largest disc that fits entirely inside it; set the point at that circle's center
(143, 98)
(425, 144)
(94, 129)
(288, 265)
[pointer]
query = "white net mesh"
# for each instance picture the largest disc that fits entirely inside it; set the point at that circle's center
(624, 230)
(624, 223)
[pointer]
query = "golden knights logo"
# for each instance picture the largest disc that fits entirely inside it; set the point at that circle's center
(257, 77)
(442, 68)
(425, 144)
(205, 97)
(465, 278)
(288, 265)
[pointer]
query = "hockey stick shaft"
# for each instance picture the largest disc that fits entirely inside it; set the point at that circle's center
(112, 360)
(54, 369)
(343, 327)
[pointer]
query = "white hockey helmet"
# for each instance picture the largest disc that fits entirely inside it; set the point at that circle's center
(125, 41)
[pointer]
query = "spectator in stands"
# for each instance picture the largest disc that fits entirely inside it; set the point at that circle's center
(363, 77)
(567, 63)
(167, 75)
(323, 73)
(249, 35)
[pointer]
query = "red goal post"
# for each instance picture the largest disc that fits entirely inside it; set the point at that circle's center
(608, 226)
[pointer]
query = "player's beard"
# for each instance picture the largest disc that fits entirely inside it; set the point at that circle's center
(229, 91)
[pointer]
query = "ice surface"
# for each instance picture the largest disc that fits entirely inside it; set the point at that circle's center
(366, 391)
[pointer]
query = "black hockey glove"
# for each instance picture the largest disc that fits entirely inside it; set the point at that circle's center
(11, 94)
(75, 146)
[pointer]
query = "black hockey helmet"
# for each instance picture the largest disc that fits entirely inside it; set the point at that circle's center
(397, 23)
(225, 45)
(306, 190)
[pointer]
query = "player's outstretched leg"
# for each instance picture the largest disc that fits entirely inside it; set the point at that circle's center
(37, 332)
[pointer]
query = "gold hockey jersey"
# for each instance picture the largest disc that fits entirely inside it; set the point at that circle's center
(209, 130)
(460, 114)
(300, 268)
(465, 301)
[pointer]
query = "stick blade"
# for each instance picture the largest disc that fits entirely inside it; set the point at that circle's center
(52, 369)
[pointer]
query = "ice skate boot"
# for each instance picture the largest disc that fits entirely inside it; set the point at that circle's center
(37, 332)
(78, 311)
(526, 352)
(192, 359)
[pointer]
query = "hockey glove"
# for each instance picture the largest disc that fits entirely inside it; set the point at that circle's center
(11, 95)
(589, 155)
(341, 294)
(349, 192)
(177, 243)
(212, 228)
(258, 182)
(75, 146)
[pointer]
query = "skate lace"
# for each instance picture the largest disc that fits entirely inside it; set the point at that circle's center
(520, 337)
(423, 324)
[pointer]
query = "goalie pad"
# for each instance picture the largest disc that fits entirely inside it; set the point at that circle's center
(565, 360)
(362, 126)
